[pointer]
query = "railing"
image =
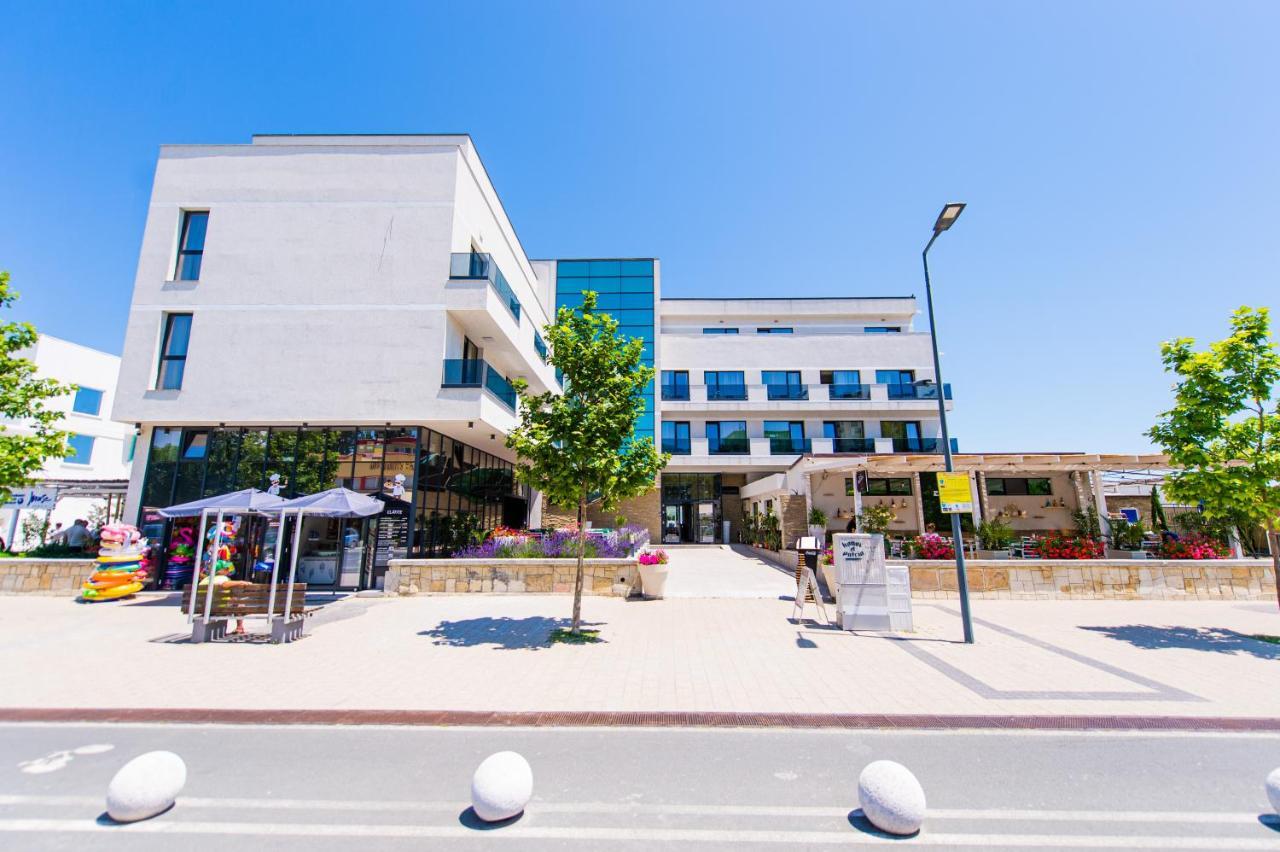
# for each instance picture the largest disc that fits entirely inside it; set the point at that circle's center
(918, 391)
(730, 447)
(853, 445)
(676, 392)
(796, 392)
(459, 373)
(785, 446)
(676, 447)
(849, 391)
(476, 265)
(723, 392)
(917, 445)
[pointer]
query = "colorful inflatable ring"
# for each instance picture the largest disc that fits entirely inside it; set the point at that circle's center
(113, 558)
(110, 582)
(111, 593)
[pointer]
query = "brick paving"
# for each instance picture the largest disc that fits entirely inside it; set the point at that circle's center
(684, 661)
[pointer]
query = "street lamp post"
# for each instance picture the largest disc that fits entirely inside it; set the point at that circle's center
(946, 219)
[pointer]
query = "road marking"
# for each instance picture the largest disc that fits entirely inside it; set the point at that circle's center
(996, 814)
(524, 832)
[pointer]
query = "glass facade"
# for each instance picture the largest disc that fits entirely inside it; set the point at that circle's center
(626, 291)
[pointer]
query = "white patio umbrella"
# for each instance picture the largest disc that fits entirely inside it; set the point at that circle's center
(334, 503)
(245, 502)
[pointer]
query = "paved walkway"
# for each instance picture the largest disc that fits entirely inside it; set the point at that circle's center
(490, 653)
(722, 571)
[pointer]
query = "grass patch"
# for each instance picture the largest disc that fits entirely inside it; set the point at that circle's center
(1262, 637)
(563, 636)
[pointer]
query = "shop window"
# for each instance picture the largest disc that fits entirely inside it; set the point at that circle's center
(882, 487)
(1019, 486)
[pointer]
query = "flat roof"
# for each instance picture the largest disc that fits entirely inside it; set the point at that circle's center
(777, 298)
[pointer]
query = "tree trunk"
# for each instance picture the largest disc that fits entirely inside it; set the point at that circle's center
(1273, 544)
(577, 579)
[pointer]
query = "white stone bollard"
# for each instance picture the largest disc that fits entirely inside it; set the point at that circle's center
(501, 786)
(146, 786)
(1273, 789)
(891, 798)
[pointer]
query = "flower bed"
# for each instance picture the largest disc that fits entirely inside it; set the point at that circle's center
(932, 546)
(504, 543)
(1061, 546)
(1193, 546)
(654, 557)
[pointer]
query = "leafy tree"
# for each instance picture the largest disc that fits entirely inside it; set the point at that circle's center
(1223, 431)
(575, 445)
(24, 400)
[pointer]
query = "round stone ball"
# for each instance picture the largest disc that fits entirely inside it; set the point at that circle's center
(891, 798)
(1273, 789)
(146, 786)
(501, 786)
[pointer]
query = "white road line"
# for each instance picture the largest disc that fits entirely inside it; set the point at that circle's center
(519, 832)
(342, 805)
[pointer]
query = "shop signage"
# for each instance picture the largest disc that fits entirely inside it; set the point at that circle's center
(32, 498)
(954, 493)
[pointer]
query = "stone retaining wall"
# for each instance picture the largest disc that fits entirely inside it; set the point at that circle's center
(507, 576)
(1100, 579)
(60, 577)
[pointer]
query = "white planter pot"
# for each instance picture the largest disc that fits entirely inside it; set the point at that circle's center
(653, 580)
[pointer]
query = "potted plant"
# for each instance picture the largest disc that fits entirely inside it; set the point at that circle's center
(1126, 540)
(875, 519)
(653, 573)
(818, 525)
(994, 538)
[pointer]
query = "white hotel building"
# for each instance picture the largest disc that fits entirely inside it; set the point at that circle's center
(350, 310)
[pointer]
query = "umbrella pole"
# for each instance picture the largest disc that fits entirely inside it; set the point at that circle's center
(195, 569)
(275, 572)
(213, 568)
(293, 566)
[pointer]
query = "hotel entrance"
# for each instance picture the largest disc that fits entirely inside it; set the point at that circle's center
(691, 508)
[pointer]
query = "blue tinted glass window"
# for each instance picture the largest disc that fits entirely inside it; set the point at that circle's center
(573, 269)
(637, 285)
(80, 449)
(720, 330)
(642, 301)
(606, 267)
(895, 377)
(173, 351)
(774, 330)
(637, 267)
(606, 285)
(191, 244)
(87, 401)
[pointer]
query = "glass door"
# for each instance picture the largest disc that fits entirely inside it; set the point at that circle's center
(706, 523)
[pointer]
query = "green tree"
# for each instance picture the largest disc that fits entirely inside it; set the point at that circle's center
(24, 400)
(579, 445)
(1223, 432)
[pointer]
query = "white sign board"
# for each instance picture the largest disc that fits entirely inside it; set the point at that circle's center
(32, 498)
(859, 558)
(871, 596)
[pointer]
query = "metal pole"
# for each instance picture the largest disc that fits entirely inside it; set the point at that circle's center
(962, 581)
(275, 572)
(213, 568)
(195, 568)
(293, 565)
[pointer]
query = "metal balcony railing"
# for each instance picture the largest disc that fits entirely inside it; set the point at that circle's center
(853, 445)
(726, 392)
(786, 446)
(793, 392)
(459, 373)
(476, 265)
(917, 445)
(676, 392)
(729, 447)
(918, 391)
(849, 391)
(677, 447)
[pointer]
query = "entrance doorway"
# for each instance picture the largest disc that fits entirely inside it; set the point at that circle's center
(691, 508)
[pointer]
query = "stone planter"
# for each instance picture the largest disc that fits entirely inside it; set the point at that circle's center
(653, 580)
(1126, 554)
(993, 554)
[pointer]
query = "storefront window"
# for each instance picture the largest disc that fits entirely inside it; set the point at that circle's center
(282, 448)
(161, 466)
(317, 461)
(220, 471)
(367, 476)
(253, 454)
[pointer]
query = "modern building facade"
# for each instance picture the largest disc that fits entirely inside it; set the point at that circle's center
(91, 479)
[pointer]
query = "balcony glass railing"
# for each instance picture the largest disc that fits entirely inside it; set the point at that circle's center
(723, 392)
(918, 391)
(849, 391)
(480, 265)
(676, 392)
(730, 447)
(784, 446)
(853, 445)
(676, 447)
(459, 373)
(788, 391)
(917, 445)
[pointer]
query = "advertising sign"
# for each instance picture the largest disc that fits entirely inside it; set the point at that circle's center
(31, 498)
(954, 493)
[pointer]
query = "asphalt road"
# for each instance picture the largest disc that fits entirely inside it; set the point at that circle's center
(338, 788)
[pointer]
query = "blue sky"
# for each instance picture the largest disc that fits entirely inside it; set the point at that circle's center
(1119, 159)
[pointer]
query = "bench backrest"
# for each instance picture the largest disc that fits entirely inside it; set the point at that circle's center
(246, 600)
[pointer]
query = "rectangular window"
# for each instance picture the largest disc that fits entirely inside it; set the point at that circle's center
(885, 487)
(786, 436)
(895, 377)
(843, 429)
(728, 436)
(81, 450)
(775, 330)
(675, 384)
(725, 384)
(882, 329)
(87, 401)
(784, 384)
(1019, 487)
(173, 351)
(191, 244)
(675, 437)
(719, 331)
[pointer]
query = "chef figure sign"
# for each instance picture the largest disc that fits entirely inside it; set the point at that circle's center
(274, 488)
(396, 486)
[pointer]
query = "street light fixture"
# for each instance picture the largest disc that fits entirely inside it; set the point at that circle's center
(946, 219)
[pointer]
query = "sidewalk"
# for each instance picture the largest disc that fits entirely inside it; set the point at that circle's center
(488, 652)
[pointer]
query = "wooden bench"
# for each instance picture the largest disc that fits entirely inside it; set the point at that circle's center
(240, 601)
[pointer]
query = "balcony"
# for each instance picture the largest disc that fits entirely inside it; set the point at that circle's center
(459, 373)
(477, 266)
(853, 445)
(675, 392)
(849, 391)
(922, 445)
(730, 447)
(718, 393)
(918, 390)
(677, 447)
(791, 392)
(789, 446)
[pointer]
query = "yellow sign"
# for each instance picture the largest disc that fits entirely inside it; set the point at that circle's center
(954, 493)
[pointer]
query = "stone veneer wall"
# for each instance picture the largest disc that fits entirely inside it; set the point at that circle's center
(793, 512)
(1102, 579)
(645, 511)
(61, 577)
(508, 576)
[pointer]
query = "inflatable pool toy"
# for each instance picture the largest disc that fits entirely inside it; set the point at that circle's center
(121, 565)
(181, 562)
